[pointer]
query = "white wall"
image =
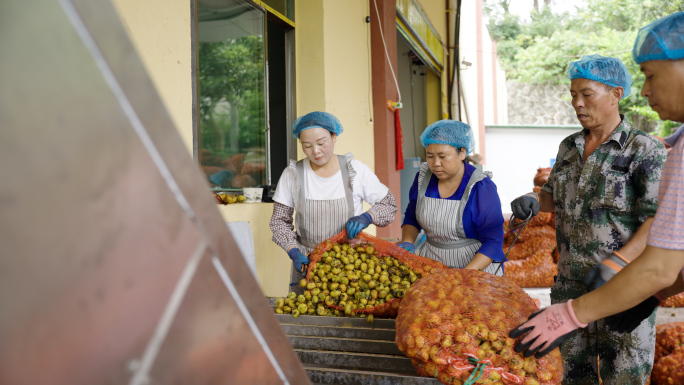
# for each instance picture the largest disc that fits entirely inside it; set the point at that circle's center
(468, 50)
(515, 154)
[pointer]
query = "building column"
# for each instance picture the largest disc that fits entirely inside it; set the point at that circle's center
(480, 79)
(384, 89)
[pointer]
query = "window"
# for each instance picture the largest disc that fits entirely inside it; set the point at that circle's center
(243, 92)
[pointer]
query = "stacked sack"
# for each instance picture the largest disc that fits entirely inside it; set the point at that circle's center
(674, 301)
(454, 326)
(532, 262)
(668, 367)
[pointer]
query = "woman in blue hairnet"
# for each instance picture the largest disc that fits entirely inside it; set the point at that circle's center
(326, 191)
(456, 204)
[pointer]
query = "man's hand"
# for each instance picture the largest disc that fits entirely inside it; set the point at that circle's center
(407, 246)
(358, 223)
(547, 329)
(628, 320)
(604, 271)
(525, 205)
(298, 259)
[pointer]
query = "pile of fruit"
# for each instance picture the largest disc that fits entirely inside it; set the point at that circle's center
(347, 280)
(225, 198)
(668, 367)
(454, 326)
(366, 278)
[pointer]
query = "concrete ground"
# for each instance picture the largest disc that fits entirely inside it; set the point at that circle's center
(663, 315)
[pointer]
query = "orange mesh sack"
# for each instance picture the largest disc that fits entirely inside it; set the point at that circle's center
(532, 259)
(536, 270)
(668, 366)
(454, 326)
(674, 301)
(362, 266)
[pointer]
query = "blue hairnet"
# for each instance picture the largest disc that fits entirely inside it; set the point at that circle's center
(661, 40)
(317, 119)
(451, 132)
(606, 70)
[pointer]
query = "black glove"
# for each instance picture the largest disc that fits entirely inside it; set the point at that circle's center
(523, 205)
(628, 320)
(604, 271)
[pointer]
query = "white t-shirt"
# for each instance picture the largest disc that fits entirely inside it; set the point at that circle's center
(366, 186)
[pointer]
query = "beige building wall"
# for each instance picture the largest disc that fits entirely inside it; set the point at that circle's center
(333, 74)
(160, 31)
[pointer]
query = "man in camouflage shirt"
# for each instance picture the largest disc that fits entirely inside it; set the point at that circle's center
(604, 191)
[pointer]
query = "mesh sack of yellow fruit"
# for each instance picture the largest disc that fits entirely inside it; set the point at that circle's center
(373, 272)
(454, 326)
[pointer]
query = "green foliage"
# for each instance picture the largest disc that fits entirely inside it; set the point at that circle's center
(231, 74)
(539, 50)
(664, 128)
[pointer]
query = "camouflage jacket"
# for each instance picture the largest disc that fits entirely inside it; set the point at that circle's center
(601, 203)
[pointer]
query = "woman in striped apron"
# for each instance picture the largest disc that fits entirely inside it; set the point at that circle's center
(326, 191)
(456, 204)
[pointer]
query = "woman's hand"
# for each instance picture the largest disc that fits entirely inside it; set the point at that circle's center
(407, 246)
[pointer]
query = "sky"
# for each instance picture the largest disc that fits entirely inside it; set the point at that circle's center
(522, 8)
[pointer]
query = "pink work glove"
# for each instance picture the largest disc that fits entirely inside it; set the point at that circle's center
(547, 329)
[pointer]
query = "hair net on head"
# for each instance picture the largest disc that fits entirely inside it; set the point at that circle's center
(317, 119)
(606, 70)
(451, 132)
(661, 40)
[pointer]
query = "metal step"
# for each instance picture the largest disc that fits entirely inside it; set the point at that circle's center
(339, 332)
(350, 351)
(330, 376)
(378, 323)
(356, 361)
(345, 345)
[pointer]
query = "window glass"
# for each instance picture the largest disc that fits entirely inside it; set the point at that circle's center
(232, 143)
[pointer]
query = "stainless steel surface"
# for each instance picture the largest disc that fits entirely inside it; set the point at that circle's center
(101, 210)
(350, 351)
(339, 332)
(363, 377)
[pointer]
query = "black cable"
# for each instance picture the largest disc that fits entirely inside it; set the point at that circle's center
(514, 226)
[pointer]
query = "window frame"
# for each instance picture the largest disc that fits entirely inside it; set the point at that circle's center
(290, 85)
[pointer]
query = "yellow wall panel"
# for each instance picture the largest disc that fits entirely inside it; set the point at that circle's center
(160, 31)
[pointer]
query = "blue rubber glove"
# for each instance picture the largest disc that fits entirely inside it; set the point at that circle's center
(297, 258)
(604, 271)
(522, 206)
(358, 223)
(407, 246)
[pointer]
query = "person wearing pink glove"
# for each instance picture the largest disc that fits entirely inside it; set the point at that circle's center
(630, 297)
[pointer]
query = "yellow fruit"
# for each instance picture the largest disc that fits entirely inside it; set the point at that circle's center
(241, 198)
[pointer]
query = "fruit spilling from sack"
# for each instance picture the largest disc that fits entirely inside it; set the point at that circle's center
(347, 280)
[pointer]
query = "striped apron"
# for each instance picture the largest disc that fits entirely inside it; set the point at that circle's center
(318, 220)
(442, 220)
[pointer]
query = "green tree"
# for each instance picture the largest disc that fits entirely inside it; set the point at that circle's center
(231, 77)
(539, 50)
